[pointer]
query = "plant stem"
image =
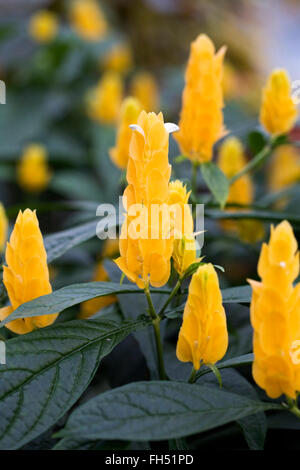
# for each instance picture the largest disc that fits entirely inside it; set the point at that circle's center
(172, 295)
(156, 326)
(292, 404)
(194, 177)
(192, 376)
(255, 162)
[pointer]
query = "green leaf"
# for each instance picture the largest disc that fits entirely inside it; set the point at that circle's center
(47, 371)
(216, 181)
(272, 216)
(71, 295)
(256, 142)
(76, 184)
(234, 362)
(158, 411)
(58, 243)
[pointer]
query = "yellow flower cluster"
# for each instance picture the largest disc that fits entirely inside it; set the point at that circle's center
(33, 170)
(43, 26)
(231, 161)
(129, 114)
(88, 20)
(118, 58)
(275, 315)
(184, 251)
(284, 169)
(104, 101)
(146, 244)
(26, 275)
(145, 89)
(3, 227)
(201, 120)
(203, 337)
(278, 111)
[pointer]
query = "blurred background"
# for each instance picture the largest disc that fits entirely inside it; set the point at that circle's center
(68, 65)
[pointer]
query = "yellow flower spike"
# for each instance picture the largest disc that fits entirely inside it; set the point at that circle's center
(284, 169)
(145, 89)
(231, 161)
(33, 171)
(118, 59)
(104, 101)
(146, 243)
(3, 228)
(201, 119)
(26, 275)
(275, 315)
(278, 112)
(184, 253)
(88, 20)
(43, 26)
(130, 111)
(203, 337)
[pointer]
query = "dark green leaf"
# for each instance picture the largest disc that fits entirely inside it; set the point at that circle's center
(157, 411)
(47, 370)
(69, 296)
(256, 142)
(216, 181)
(272, 216)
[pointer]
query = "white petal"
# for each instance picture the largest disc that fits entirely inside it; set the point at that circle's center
(170, 127)
(137, 128)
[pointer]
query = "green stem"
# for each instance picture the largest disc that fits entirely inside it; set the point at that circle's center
(192, 376)
(254, 163)
(156, 326)
(293, 406)
(194, 177)
(172, 295)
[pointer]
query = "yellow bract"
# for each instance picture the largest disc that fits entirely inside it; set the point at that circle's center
(284, 168)
(231, 161)
(184, 252)
(275, 315)
(26, 275)
(130, 111)
(3, 227)
(104, 101)
(33, 170)
(278, 112)
(145, 243)
(118, 58)
(203, 337)
(201, 119)
(88, 20)
(145, 89)
(43, 26)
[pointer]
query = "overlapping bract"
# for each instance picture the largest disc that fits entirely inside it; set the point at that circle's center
(146, 243)
(231, 161)
(275, 315)
(88, 19)
(130, 111)
(43, 26)
(3, 227)
(278, 112)
(104, 101)
(203, 337)
(33, 170)
(184, 251)
(26, 275)
(201, 120)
